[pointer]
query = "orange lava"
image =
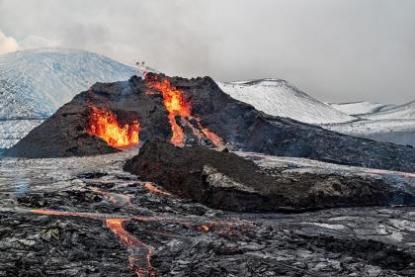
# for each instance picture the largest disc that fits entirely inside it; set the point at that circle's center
(104, 124)
(141, 253)
(214, 138)
(204, 228)
(153, 189)
(67, 214)
(178, 106)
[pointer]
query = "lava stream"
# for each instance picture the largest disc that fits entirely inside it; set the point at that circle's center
(140, 253)
(178, 106)
(105, 125)
(70, 214)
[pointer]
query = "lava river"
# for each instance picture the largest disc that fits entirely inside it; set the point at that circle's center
(178, 106)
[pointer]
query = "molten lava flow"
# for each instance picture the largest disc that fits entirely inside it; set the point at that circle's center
(177, 106)
(204, 228)
(104, 124)
(141, 253)
(214, 138)
(68, 214)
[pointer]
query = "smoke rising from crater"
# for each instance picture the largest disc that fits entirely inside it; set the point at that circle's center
(336, 50)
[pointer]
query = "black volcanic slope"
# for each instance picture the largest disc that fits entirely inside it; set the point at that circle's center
(240, 125)
(223, 180)
(64, 134)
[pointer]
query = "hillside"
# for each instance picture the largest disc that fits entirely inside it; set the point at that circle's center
(35, 83)
(279, 98)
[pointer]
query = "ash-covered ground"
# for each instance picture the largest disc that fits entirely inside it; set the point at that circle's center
(87, 217)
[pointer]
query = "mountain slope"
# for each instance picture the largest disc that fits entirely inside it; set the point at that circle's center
(279, 98)
(402, 112)
(380, 122)
(389, 123)
(51, 77)
(360, 108)
(35, 83)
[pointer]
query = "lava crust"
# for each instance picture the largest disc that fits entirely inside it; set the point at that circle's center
(226, 181)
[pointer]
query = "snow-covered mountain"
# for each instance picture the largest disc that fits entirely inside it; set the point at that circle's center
(360, 108)
(401, 112)
(362, 119)
(399, 131)
(35, 83)
(279, 98)
(389, 123)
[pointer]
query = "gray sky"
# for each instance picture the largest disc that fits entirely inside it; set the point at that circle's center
(336, 50)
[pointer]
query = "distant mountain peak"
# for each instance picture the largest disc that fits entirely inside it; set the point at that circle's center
(35, 83)
(278, 97)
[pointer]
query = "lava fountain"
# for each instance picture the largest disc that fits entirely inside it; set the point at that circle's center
(178, 106)
(105, 125)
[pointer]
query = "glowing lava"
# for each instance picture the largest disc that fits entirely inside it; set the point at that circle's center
(214, 138)
(178, 106)
(175, 104)
(104, 124)
(140, 252)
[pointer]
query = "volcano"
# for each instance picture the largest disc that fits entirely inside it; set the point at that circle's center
(196, 112)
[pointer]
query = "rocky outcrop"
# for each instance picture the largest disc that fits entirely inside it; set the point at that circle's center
(239, 125)
(226, 181)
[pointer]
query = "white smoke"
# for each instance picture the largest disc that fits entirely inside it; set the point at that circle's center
(7, 44)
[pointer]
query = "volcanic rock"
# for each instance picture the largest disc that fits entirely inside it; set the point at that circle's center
(54, 222)
(65, 133)
(239, 125)
(226, 181)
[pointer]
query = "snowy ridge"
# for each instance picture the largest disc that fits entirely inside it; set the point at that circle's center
(406, 111)
(386, 123)
(35, 83)
(380, 122)
(360, 108)
(279, 98)
(399, 131)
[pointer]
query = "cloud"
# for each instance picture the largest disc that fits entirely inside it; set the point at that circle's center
(7, 44)
(33, 41)
(336, 50)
